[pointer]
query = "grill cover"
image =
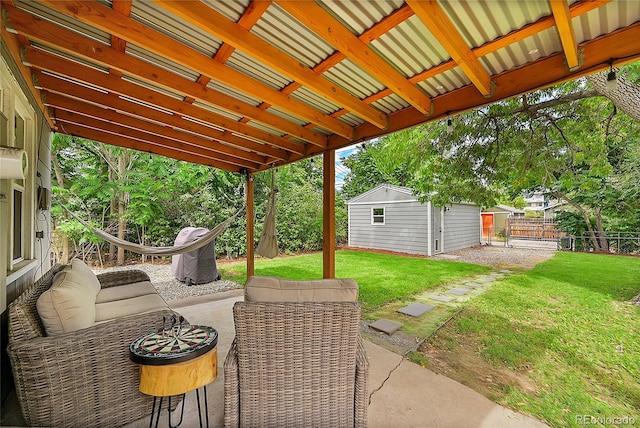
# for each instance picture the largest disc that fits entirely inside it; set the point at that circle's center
(197, 266)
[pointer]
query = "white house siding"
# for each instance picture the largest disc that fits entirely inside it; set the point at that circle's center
(462, 227)
(405, 228)
(17, 274)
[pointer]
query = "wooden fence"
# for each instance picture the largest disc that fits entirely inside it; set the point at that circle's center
(533, 229)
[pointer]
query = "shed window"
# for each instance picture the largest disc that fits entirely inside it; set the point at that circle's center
(377, 215)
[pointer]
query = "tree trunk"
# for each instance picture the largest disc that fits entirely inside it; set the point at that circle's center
(585, 216)
(65, 248)
(602, 236)
(112, 214)
(122, 224)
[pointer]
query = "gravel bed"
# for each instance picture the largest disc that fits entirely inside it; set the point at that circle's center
(169, 287)
(500, 257)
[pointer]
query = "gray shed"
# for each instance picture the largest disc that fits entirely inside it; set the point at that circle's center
(390, 218)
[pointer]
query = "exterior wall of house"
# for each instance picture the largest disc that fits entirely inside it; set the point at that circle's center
(462, 227)
(24, 255)
(404, 228)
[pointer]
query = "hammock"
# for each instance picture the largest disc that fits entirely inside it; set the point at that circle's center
(268, 244)
(160, 251)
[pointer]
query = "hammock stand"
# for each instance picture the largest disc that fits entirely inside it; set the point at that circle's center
(160, 251)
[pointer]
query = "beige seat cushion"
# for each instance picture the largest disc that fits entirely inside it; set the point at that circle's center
(269, 289)
(127, 291)
(135, 305)
(69, 304)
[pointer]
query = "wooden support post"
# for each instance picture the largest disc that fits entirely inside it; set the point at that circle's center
(250, 228)
(329, 215)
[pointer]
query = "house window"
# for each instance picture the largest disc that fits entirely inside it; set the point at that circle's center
(377, 216)
(18, 253)
(17, 220)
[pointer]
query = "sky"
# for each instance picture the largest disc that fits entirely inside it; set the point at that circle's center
(341, 170)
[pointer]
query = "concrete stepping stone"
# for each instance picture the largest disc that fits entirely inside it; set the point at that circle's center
(458, 291)
(473, 284)
(506, 271)
(442, 298)
(386, 326)
(485, 279)
(416, 309)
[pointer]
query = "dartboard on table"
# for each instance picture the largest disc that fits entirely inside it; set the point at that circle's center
(173, 345)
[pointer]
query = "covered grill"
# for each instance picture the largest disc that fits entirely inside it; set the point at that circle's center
(197, 266)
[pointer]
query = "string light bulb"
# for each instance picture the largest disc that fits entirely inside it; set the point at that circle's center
(612, 79)
(449, 125)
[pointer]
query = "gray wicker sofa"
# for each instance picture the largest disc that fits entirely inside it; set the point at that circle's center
(83, 378)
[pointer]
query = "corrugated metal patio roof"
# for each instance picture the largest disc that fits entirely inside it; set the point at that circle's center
(248, 85)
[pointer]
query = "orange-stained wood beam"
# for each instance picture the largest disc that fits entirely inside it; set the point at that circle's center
(180, 140)
(329, 215)
(105, 19)
(437, 21)
(248, 192)
(316, 18)
(576, 9)
(65, 88)
(117, 140)
(73, 43)
(249, 18)
(13, 46)
(82, 73)
(216, 24)
(251, 15)
(562, 16)
(134, 134)
(123, 7)
(536, 75)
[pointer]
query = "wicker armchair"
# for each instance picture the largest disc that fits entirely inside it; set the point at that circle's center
(82, 378)
(296, 365)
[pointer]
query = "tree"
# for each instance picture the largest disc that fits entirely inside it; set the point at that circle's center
(369, 167)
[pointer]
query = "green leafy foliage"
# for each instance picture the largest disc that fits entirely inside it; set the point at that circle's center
(161, 196)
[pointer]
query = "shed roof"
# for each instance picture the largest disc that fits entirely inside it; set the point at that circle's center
(248, 85)
(404, 192)
(503, 208)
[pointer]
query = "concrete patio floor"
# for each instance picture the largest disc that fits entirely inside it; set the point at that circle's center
(401, 393)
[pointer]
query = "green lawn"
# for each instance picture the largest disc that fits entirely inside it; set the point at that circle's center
(567, 327)
(381, 277)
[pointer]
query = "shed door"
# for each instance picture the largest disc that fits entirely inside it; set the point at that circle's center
(487, 225)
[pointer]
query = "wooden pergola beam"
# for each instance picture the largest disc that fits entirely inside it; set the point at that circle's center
(66, 88)
(329, 215)
(333, 32)
(105, 19)
(437, 21)
(67, 117)
(123, 7)
(83, 47)
(576, 9)
(179, 140)
(249, 196)
(216, 24)
(117, 140)
(543, 73)
(562, 16)
(82, 73)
